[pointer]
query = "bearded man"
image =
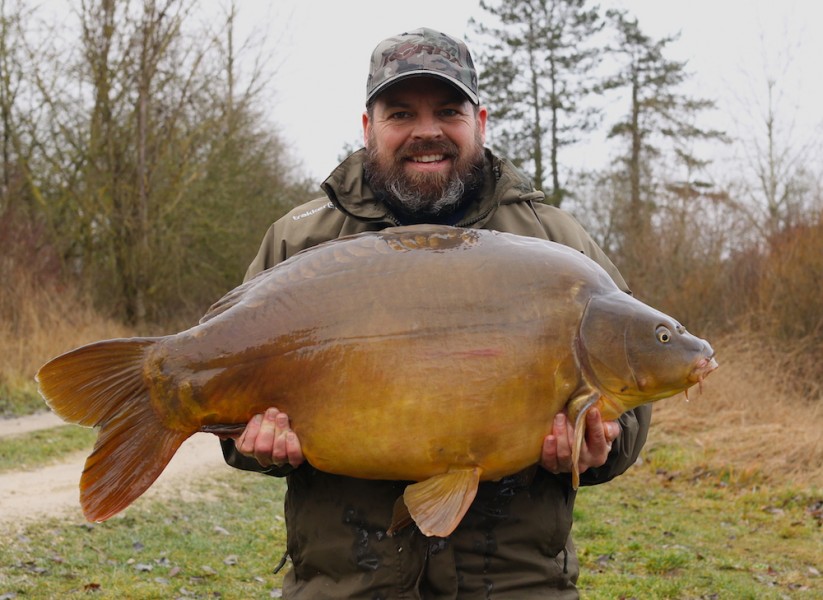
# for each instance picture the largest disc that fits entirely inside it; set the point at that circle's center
(424, 161)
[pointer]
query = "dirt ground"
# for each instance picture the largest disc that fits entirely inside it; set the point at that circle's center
(53, 490)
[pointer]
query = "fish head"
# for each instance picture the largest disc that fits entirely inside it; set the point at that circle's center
(634, 354)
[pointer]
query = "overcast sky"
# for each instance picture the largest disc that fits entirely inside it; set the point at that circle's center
(322, 48)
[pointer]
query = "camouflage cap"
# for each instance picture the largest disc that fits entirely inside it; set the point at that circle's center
(422, 52)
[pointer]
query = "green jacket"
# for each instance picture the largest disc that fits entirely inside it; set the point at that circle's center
(515, 540)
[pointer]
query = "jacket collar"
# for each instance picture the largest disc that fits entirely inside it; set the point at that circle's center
(347, 189)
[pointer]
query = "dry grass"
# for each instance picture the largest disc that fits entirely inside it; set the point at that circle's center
(752, 420)
(40, 321)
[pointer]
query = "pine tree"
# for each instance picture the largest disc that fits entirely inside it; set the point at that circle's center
(659, 114)
(535, 79)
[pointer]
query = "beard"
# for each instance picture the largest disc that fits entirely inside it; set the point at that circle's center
(422, 197)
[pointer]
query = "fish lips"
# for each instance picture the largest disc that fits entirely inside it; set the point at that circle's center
(702, 368)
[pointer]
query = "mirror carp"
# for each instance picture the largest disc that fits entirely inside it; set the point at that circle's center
(429, 354)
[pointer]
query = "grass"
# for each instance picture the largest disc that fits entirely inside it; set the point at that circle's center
(51, 444)
(669, 528)
(652, 534)
(19, 399)
(226, 545)
(54, 318)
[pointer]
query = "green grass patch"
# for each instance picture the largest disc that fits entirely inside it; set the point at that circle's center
(39, 448)
(652, 534)
(20, 398)
(226, 544)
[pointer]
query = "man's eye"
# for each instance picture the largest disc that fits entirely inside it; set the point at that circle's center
(400, 115)
(449, 112)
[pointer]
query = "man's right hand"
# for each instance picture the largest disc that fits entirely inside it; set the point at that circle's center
(269, 439)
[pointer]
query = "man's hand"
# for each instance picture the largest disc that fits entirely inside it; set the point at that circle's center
(269, 439)
(557, 447)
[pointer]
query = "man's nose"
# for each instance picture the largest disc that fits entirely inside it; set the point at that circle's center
(427, 126)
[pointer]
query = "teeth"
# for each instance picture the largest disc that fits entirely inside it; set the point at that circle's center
(428, 158)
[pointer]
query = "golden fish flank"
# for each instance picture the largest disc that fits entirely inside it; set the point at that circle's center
(467, 341)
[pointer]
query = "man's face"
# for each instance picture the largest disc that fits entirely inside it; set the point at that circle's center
(424, 146)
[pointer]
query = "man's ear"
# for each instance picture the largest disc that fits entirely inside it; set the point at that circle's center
(482, 116)
(366, 126)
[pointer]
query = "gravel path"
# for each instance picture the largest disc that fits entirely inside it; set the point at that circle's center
(44, 420)
(53, 490)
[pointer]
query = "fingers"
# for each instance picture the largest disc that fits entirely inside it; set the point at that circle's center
(557, 447)
(612, 430)
(286, 448)
(597, 443)
(245, 443)
(269, 439)
(265, 445)
(600, 436)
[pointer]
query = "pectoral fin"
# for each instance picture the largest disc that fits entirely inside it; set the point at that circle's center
(438, 504)
(577, 409)
(579, 434)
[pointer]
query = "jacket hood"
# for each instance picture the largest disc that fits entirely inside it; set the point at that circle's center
(348, 190)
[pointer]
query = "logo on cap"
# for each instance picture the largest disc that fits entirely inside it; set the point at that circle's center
(404, 51)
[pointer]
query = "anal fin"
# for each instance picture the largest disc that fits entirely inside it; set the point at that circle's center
(438, 504)
(400, 518)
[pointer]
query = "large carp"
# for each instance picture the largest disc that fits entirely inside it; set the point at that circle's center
(431, 354)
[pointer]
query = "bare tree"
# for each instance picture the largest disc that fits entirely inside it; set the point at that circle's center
(15, 151)
(781, 186)
(153, 163)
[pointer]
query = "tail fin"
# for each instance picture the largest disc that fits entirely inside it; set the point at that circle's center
(102, 385)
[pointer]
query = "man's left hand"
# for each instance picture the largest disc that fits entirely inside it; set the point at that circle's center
(557, 447)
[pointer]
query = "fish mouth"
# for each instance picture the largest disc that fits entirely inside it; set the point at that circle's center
(701, 370)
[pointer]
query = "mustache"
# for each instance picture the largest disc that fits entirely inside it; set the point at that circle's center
(428, 147)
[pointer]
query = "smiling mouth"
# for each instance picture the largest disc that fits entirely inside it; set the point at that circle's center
(428, 158)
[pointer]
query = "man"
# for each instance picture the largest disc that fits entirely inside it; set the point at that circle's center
(424, 161)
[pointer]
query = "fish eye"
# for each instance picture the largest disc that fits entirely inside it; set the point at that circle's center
(664, 336)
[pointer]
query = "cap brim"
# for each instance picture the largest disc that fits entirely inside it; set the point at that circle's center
(473, 98)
